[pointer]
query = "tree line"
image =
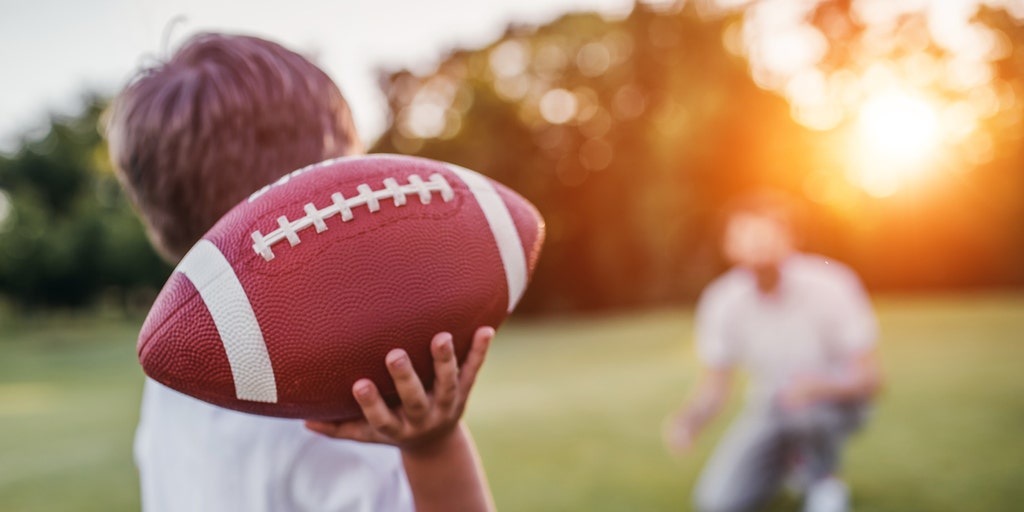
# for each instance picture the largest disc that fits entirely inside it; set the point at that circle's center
(627, 134)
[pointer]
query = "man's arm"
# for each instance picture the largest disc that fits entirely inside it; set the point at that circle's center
(861, 381)
(706, 401)
(439, 456)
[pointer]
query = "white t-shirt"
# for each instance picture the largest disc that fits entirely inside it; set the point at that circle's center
(196, 457)
(818, 318)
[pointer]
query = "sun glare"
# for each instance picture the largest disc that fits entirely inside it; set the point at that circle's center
(897, 136)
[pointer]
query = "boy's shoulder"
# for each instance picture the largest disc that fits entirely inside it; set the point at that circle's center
(281, 456)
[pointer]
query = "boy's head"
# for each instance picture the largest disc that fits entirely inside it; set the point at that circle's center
(759, 229)
(226, 115)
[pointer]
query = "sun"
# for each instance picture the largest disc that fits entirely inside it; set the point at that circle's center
(896, 138)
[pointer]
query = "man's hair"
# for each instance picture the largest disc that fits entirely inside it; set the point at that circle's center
(225, 115)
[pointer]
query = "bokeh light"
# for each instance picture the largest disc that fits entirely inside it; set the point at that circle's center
(904, 80)
(558, 106)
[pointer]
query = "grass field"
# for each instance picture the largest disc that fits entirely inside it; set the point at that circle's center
(567, 414)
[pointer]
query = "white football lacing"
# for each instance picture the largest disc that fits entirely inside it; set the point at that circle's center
(289, 230)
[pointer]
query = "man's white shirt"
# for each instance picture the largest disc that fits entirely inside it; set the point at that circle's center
(817, 319)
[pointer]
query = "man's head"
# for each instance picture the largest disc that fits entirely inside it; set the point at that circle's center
(193, 136)
(759, 230)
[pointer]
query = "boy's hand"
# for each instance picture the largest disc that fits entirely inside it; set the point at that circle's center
(423, 417)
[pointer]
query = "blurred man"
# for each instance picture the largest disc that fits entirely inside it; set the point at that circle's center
(803, 329)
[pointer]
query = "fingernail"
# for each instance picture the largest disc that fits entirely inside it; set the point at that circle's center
(444, 341)
(397, 358)
(362, 389)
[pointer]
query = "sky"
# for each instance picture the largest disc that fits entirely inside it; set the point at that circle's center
(52, 51)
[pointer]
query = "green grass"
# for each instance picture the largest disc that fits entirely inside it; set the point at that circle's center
(567, 413)
(69, 396)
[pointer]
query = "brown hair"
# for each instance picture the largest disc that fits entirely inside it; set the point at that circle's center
(222, 117)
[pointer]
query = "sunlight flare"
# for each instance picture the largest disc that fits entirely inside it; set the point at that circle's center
(897, 136)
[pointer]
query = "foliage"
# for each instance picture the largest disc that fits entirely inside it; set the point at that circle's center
(68, 235)
(624, 181)
(630, 134)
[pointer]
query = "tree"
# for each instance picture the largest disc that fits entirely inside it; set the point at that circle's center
(630, 134)
(68, 234)
(626, 134)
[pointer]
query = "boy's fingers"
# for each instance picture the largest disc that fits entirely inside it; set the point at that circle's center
(375, 409)
(475, 359)
(446, 371)
(356, 430)
(322, 427)
(415, 404)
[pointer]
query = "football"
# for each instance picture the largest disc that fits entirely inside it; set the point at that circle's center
(304, 287)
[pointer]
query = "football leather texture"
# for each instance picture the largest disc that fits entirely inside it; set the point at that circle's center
(304, 287)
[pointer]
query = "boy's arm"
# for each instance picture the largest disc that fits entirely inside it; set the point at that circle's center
(438, 453)
(710, 394)
(447, 475)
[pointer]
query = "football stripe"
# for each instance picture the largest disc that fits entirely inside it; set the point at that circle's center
(232, 313)
(502, 227)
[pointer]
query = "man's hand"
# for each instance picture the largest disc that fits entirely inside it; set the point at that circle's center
(681, 429)
(679, 434)
(803, 391)
(860, 381)
(423, 419)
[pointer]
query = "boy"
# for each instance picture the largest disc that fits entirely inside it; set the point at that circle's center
(803, 328)
(192, 137)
